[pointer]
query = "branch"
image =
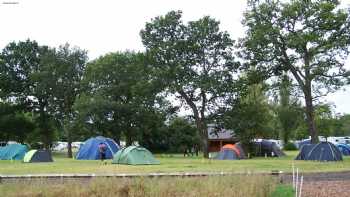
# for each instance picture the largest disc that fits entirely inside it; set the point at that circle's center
(189, 102)
(204, 99)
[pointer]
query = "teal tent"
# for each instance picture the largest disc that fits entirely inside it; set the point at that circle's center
(134, 155)
(13, 152)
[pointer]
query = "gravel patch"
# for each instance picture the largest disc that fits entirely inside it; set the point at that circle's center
(326, 188)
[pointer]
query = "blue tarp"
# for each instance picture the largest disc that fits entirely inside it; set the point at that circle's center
(344, 149)
(13, 152)
(90, 151)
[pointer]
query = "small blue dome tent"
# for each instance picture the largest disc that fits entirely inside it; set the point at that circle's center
(344, 149)
(90, 151)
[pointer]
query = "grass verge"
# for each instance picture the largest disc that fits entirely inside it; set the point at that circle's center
(240, 186)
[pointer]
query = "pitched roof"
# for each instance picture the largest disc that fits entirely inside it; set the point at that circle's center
(219, 133)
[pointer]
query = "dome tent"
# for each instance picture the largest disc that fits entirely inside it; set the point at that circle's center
(13, 152)
(344, 149)
(268, 148)
(134, 155)
(323, 151)
(90, 151)
(231, 152)
(37, 156)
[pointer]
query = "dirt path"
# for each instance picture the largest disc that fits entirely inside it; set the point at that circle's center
(316, 177)
(326, 189)
(325, 184)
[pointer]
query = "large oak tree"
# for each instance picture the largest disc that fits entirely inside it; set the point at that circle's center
(309, 38)
(194, 62)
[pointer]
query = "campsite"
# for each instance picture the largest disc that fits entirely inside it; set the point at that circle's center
(175, 98)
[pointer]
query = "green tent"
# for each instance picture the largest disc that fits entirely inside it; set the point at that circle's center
(13, 152)
(134, 155)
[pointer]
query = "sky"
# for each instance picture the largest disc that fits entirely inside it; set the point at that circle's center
(102, 26)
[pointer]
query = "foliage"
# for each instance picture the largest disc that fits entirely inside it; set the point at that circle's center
(66, 66)
(25, 82)
(250, 116)
(345, 126)
(14, 124)
(181, 135)
(288, 109)
(194, 61)
(120, 99)
(308, 38)
(289, 146)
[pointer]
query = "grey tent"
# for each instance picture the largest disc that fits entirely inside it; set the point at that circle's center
(323, 151)
(268, 148)
(38, 156)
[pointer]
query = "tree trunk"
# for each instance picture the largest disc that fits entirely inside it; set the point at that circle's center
(203, 132)
(128, 138)
(309, 109)
(69, 146)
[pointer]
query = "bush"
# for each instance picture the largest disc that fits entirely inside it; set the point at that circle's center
(290, 146)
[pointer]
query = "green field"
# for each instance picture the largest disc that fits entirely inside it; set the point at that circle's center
(172, 163)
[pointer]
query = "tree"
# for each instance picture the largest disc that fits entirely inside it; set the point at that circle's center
(120, 97)
(25, 82)
(286, 108)
(345, 125)
(15, 124)
(182, 135)
(250, 115)
(308, 38)
(194, 61)
(66, 66)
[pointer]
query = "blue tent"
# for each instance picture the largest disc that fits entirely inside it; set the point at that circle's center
(90, 151)
(344, 148)
(13, 152)
(323, 151)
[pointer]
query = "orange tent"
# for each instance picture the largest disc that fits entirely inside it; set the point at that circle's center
(232, 147)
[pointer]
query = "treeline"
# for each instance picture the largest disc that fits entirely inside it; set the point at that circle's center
(254, 86)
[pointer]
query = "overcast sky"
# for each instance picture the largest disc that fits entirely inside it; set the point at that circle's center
(106, 26)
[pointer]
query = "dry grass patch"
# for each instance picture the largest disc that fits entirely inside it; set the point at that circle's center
(240, 186)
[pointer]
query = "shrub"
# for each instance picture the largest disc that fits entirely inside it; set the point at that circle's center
(290, 146)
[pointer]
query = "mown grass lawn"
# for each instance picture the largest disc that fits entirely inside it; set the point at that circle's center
(173, 163)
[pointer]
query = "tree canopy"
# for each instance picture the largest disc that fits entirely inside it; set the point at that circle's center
(310, 39)
(194, 61)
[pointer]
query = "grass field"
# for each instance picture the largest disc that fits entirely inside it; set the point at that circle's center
(239, 186)
(173, 163)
